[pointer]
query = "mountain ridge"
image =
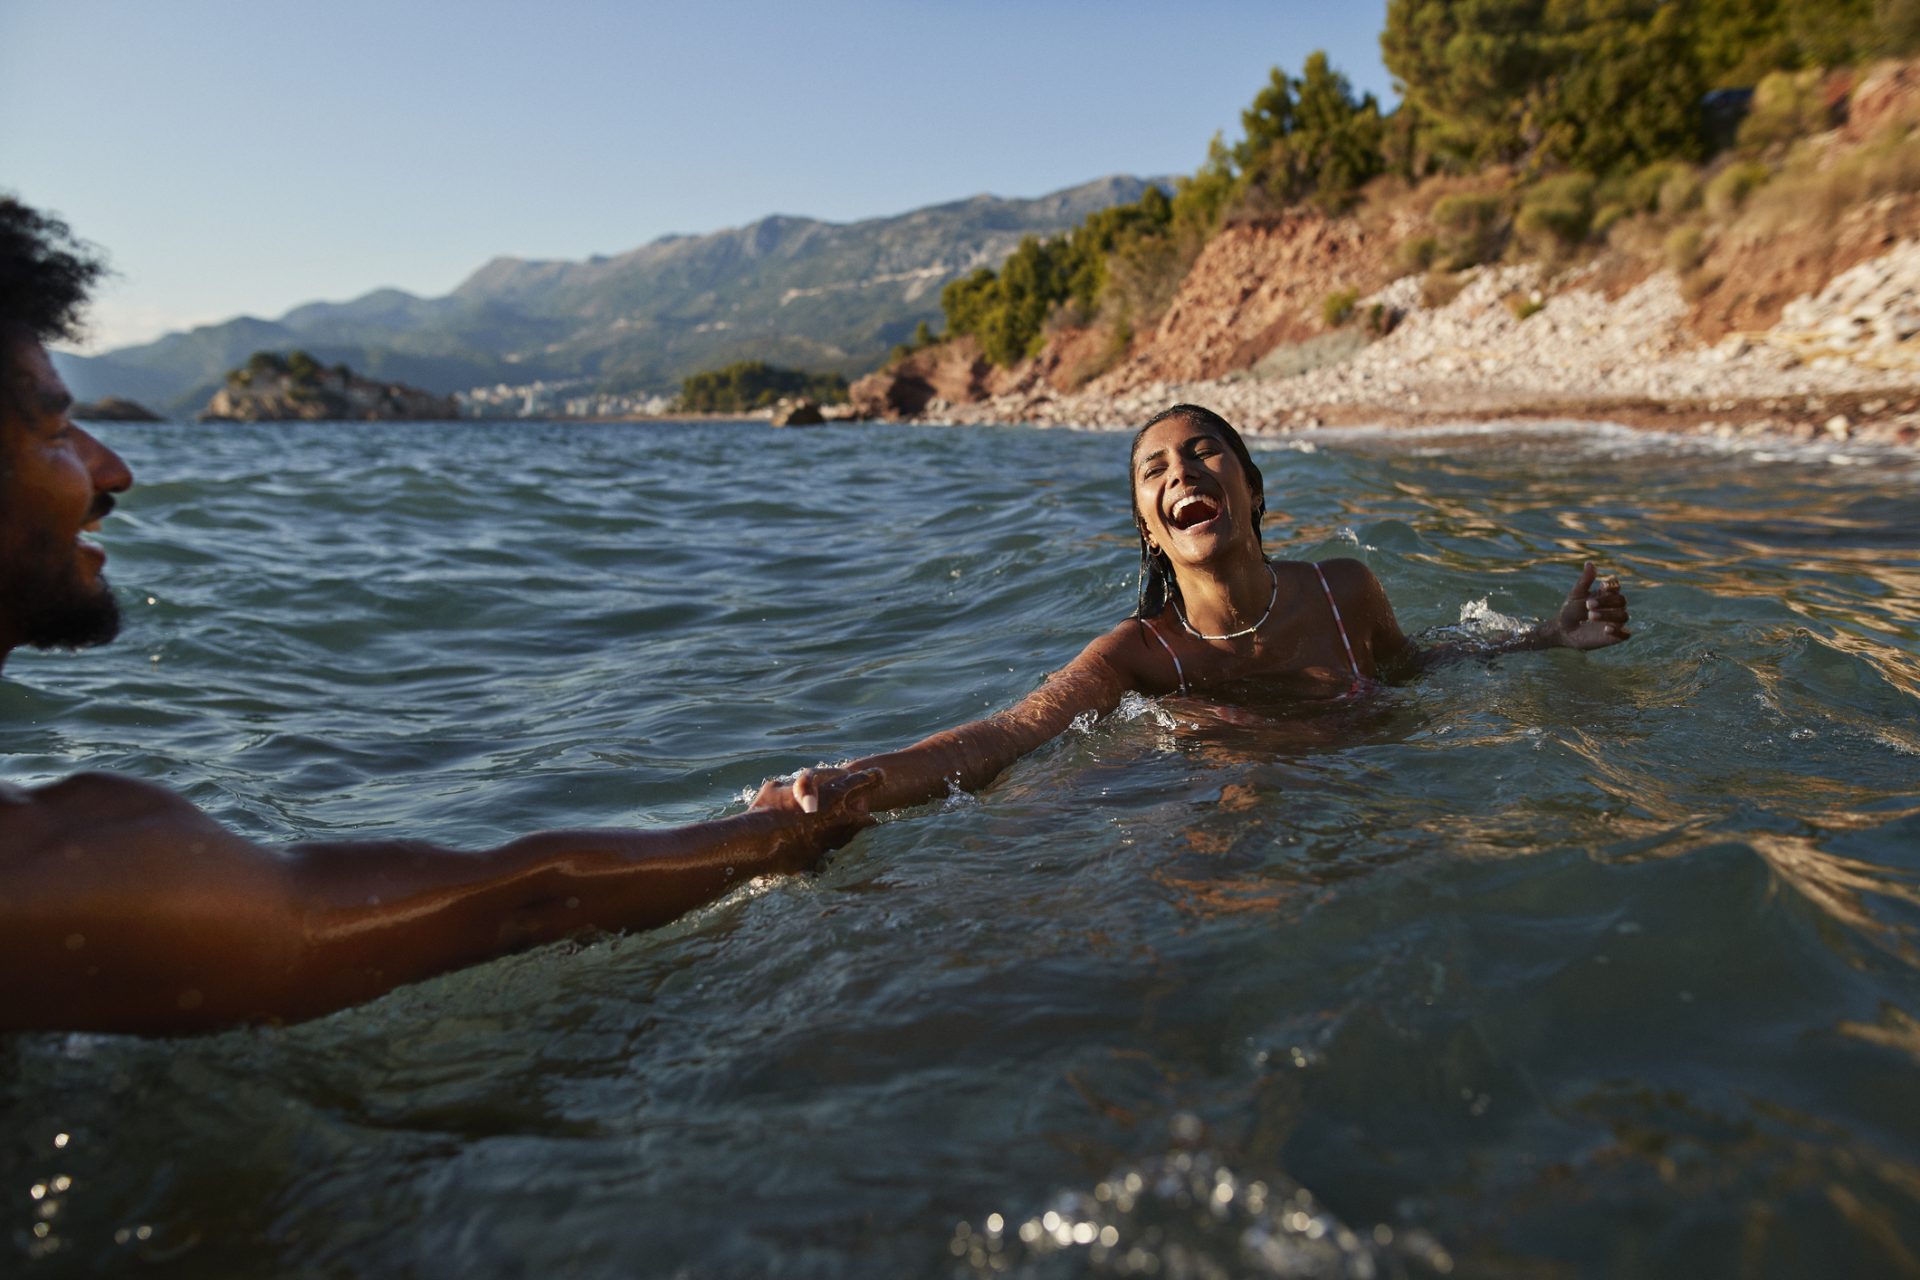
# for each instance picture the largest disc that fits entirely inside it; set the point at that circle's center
(834, 297)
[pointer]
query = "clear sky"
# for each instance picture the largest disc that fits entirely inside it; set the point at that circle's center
(244, 157)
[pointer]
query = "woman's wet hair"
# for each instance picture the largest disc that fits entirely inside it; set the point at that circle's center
(1157, 583)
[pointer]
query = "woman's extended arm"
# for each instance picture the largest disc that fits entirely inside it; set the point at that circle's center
(1593, 616)
(975, 753)
(125, 908)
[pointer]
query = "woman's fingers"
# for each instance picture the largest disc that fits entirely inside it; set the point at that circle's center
(1585, 585)
(831, 792)
(1604, 600)
(809, 785)
(801, 792)
(835, 786)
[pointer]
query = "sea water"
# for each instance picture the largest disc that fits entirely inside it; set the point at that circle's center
(1597, 964)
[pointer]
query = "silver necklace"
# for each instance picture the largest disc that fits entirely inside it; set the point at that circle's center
(1181, 614)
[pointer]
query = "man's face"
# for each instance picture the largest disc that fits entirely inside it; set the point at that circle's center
(55, 481)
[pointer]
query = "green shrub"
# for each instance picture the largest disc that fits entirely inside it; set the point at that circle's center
(1557, 213)
(1729, 189)
(1787, 105)
(303, 368)
(1379, 320)
(1416, 254)
(1473, 229)
(1641, 192)
(1337, 307)
(1680, 193)
(1685, 246)
(1809, 190)
(1606, 216)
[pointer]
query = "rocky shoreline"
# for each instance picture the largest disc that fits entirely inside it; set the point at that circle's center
(1515, 343)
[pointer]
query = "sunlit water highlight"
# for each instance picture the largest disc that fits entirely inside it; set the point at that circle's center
(1601, 964)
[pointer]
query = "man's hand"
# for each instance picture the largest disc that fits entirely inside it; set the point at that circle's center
(834, 801)
(1594, 616)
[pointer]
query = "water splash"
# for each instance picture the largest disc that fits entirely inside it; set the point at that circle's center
(1134, 706)
(1478, 618)
(1188, 1214)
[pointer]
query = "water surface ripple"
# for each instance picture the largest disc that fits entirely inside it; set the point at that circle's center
(1565, 964)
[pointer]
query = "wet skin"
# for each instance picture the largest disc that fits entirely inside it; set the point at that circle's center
(125, 908)
(1194, 501)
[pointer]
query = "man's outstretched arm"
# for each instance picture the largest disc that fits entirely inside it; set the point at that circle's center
(125, 908)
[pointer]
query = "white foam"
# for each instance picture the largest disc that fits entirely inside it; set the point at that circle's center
(1479, 618)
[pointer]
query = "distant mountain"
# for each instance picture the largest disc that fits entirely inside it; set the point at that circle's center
(795, 291)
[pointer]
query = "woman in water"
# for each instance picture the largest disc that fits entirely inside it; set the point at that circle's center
(1216, 619)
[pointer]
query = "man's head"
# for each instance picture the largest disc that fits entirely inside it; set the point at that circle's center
(55, 479)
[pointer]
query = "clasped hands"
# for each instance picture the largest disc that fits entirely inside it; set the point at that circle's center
(835, 799)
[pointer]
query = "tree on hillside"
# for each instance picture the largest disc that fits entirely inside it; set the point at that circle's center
(1199, 201)
(1626, 87)
(1092, 245)
(1740, 41)
(1032, 280)
(1267, 119)
(1467, 68)
(1600, 85)
(1310, 138)
(1008, 311)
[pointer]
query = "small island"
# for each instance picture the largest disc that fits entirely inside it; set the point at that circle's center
(113, 409)
(272, 387)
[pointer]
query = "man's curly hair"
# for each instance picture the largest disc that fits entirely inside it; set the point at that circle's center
(45, 274)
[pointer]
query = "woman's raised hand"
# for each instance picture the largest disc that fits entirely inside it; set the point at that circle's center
(1594, 616)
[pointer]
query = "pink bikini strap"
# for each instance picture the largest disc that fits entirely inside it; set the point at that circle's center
(1338, 622)
(1178, 670)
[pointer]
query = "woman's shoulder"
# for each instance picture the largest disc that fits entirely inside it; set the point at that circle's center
(1356, 592)
(1130, 635)
(1342, 573)
(1136, 649)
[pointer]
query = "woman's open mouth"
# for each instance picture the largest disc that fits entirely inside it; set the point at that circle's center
(1192, 511)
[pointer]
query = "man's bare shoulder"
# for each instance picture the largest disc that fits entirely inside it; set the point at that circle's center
(94, 808)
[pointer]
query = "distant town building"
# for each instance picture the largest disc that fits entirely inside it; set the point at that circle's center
(565, 399)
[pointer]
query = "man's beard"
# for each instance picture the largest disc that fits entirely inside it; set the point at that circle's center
(51, 607)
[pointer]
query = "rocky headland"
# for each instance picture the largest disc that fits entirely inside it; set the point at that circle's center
(295, 388)
(1797, 314)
